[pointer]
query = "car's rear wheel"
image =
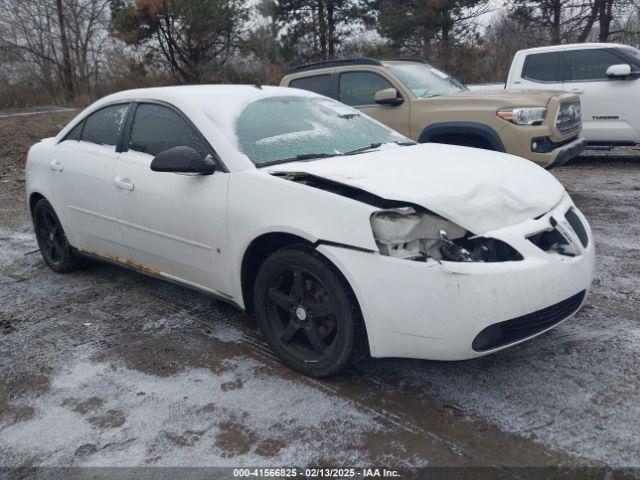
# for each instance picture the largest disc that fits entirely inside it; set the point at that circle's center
(308, 313)
(52, 241)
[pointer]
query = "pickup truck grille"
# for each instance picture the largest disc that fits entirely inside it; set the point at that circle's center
(569, 117)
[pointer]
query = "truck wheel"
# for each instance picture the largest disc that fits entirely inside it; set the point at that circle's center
(52, 241)
(308, 313)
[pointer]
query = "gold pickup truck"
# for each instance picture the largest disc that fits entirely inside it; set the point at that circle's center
(428, 105)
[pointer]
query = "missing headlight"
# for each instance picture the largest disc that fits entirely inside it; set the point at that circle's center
(419, 235)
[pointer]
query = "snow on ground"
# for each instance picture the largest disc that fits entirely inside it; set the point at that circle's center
(128, 418)
(96, 411)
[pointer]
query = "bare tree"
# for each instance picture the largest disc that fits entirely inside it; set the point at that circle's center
(563, 21)
(63, 40)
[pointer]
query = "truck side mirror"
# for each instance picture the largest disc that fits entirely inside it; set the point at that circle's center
(388, 96)
(620, 70)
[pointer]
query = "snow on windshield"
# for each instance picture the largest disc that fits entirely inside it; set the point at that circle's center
(282, 127)
(426, 81)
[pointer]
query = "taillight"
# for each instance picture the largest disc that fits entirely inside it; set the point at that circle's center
(24, 161)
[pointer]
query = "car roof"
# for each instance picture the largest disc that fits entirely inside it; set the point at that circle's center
(208, 93)
(572, 46)
(348, 62)
(213, 109)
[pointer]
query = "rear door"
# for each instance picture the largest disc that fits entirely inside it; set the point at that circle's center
(83, 167)
(172, 223)
(542, 71)
(358, 89)
(609, 111)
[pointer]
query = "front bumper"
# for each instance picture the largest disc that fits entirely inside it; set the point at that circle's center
(567, 152)
(435, 311)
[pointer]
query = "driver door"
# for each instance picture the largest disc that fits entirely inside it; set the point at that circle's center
(607, 112)
(172, 223)
(358, 89)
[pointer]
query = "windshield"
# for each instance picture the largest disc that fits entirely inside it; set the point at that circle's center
(634, 53)
(426, 81)
(288, 128)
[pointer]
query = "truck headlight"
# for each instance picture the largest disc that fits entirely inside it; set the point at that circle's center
(419, 235)
(523, 115)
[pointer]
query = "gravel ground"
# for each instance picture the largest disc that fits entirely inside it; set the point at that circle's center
(106, 366)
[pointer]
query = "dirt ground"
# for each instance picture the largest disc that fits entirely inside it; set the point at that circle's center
(109, 367)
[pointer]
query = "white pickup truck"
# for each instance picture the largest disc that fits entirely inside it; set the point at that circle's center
(605, 75)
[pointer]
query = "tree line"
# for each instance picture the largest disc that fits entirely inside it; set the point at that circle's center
(75, 50)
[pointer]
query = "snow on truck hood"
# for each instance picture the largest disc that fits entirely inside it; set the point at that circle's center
(478, 189)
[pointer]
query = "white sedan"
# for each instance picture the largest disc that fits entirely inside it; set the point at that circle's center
(344, 237)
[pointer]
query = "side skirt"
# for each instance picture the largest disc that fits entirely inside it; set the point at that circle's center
(157, 274)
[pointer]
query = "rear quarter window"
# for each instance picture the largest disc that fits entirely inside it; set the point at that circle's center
(319, 84)
(75, 132)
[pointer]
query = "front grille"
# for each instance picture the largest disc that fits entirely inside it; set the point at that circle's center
(556, 240)
(510, 331)
(569, 117)
(578, 227)
(552, 241)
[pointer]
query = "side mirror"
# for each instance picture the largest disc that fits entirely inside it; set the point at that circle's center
(184, 160)
(388, 96)
(620, 70)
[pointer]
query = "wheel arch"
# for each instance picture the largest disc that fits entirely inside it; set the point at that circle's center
(35, 197)
(467, 129)
(256, 253)
(264, 245)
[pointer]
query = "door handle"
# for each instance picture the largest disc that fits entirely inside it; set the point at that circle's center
(56, 166)
(123, 183)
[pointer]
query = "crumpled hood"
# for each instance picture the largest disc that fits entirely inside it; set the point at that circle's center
(478, 189)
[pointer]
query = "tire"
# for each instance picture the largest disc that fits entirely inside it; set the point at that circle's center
(308, 313)
(52, 241)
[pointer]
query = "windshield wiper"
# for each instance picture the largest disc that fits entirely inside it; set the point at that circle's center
(377, 145)
(362, 149)
(300, 156)
(313, 156)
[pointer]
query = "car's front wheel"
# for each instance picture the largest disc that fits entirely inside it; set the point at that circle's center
(52, 241)
(308, 313)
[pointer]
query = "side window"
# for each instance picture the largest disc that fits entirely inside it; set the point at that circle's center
(319, 84)
(157, 128)
(103, 127)
(592, 64)
(359, 88)
(75, 132)
(543, 67)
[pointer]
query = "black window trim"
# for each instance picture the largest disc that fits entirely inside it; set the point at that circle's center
(560, 73)
(614, 51)
(339, 79)
(566, 67)
(126, 133)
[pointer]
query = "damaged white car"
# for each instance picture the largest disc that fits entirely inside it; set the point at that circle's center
(344, 237)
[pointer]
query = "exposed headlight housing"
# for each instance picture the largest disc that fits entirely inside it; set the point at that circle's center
(419, 235)
(523, 115)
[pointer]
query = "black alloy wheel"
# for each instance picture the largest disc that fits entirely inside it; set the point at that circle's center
(52, 241)
(308, 314)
